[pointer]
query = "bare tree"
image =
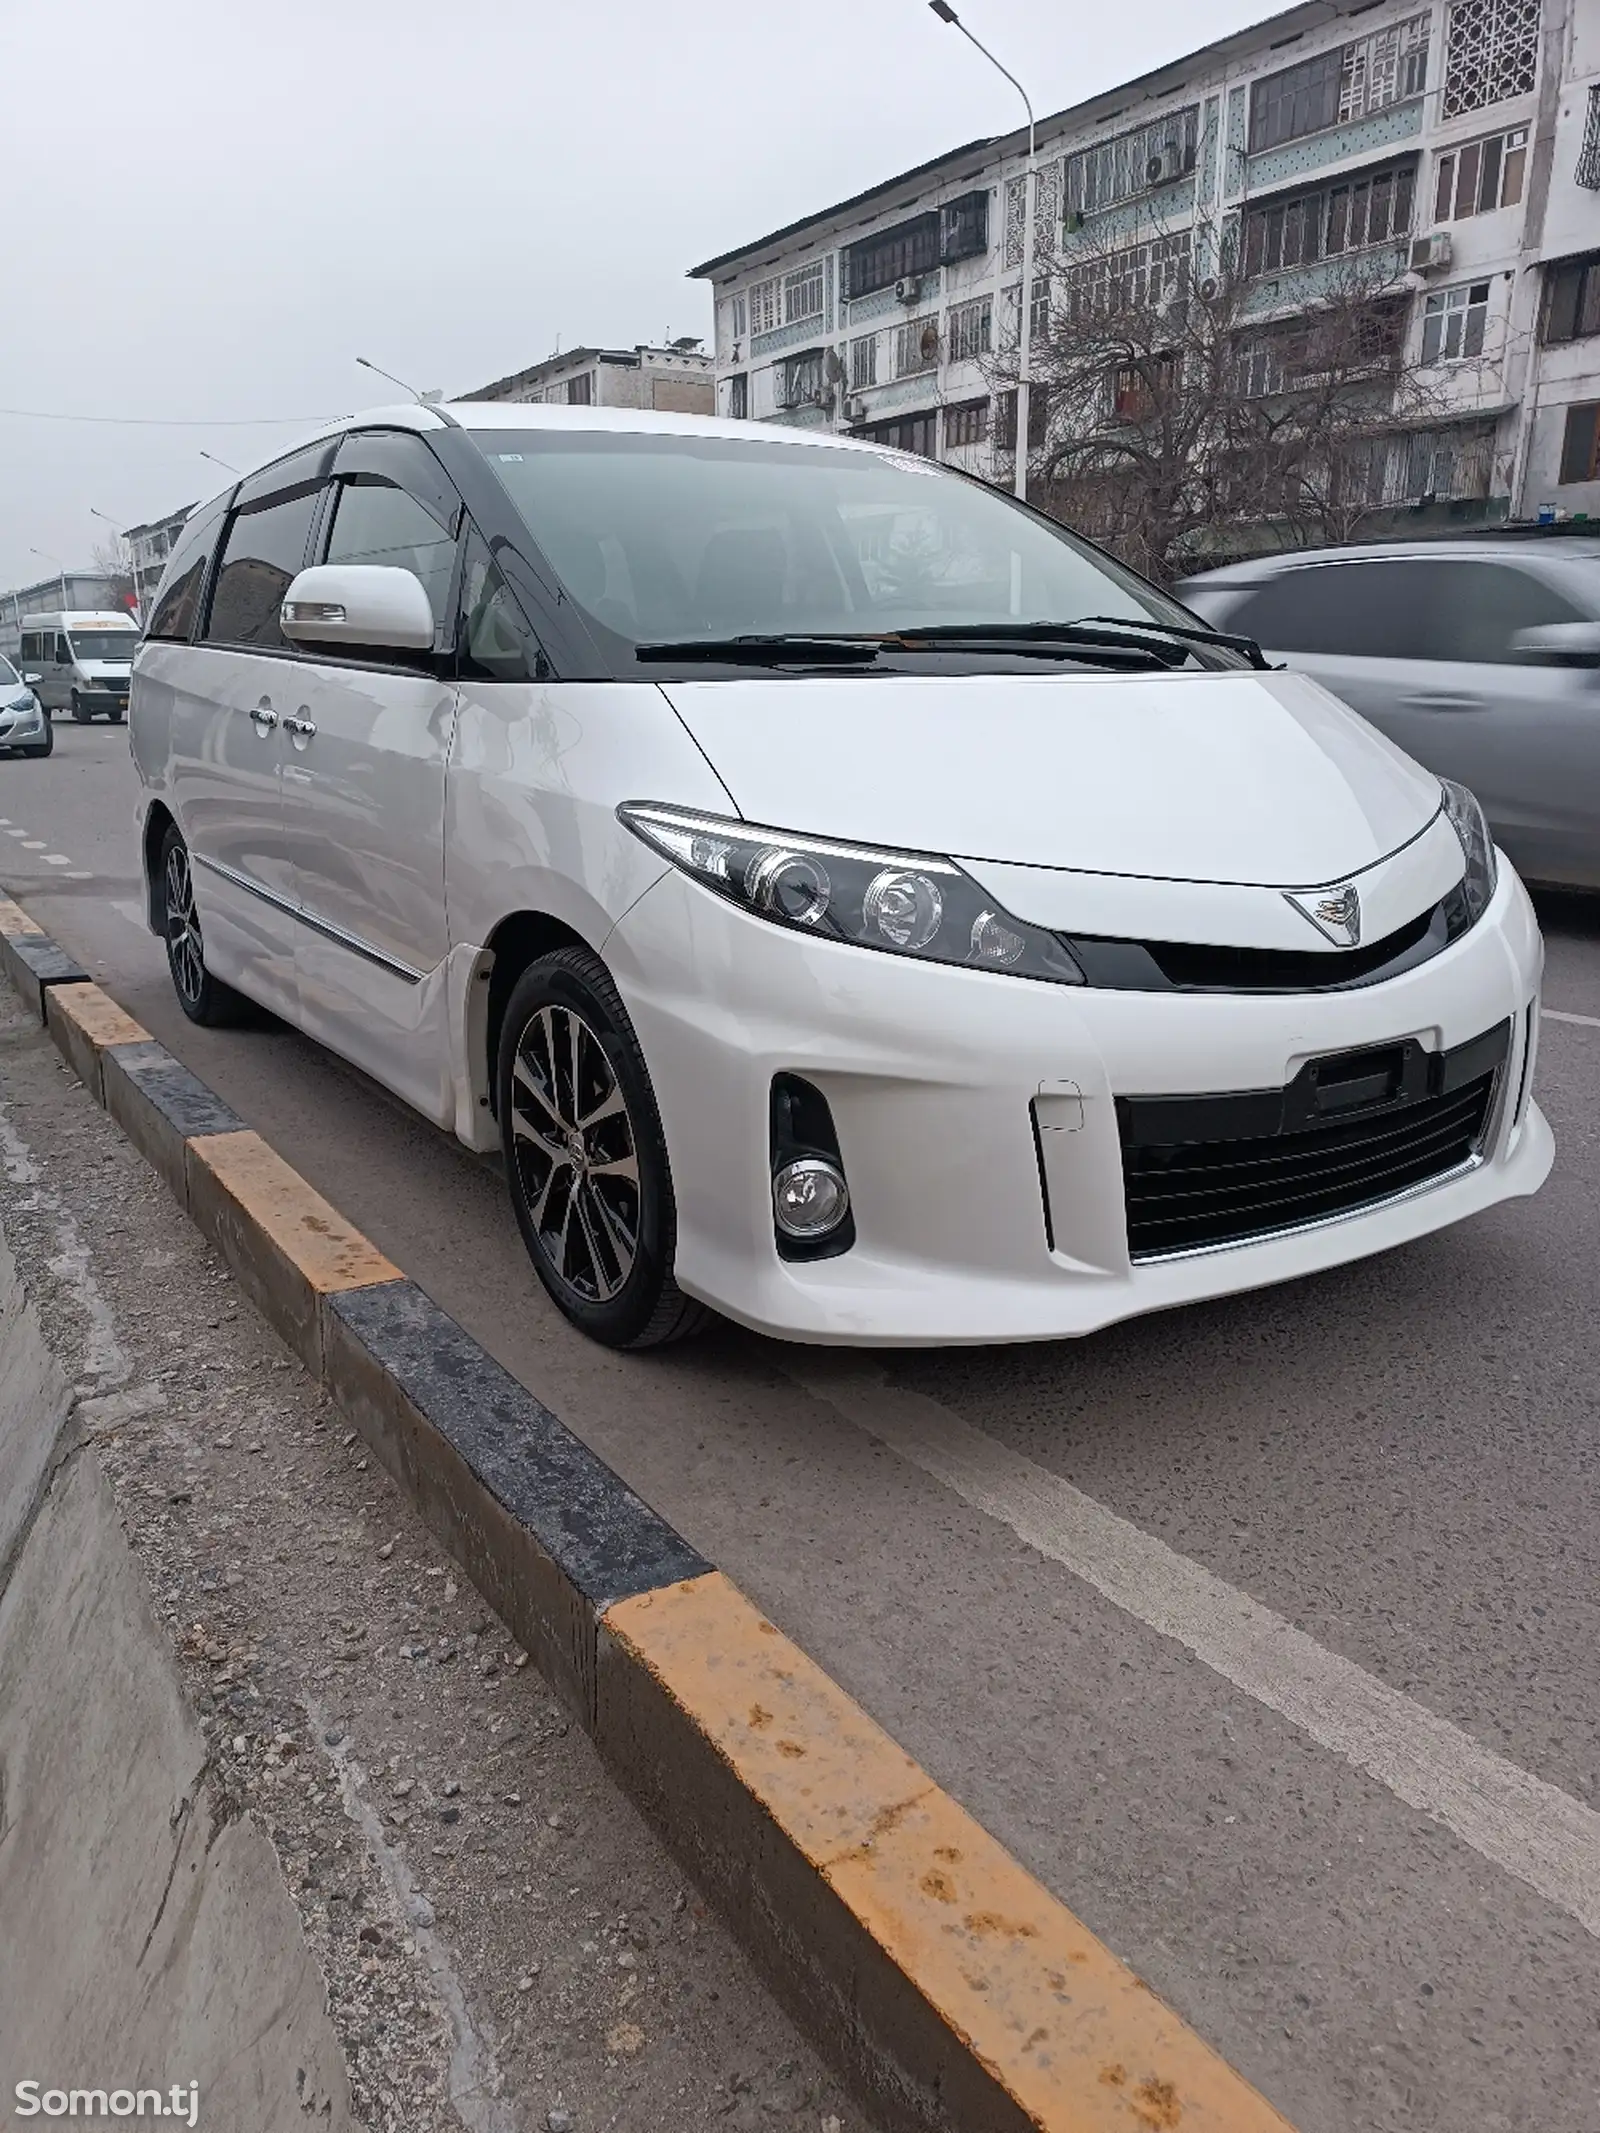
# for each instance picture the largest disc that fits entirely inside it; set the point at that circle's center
(1176, 420)
(112, 562)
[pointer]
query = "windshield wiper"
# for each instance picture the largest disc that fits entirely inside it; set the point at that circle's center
(1022, 640)
(1246, 645)
(777, 650)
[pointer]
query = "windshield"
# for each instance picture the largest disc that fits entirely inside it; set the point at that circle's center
(9, 677)
(104, 644)
(669, 539)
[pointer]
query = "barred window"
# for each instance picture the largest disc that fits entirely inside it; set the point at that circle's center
(802, 294)
(1281, 234)
(1128, 279)
(1133, 162)
(971, 327)
(863, 362)
(1492, 52)
(916, 347)
(1336, 86)
(1588, 170)
(1483, 175)
(765, 307)
(966, 424)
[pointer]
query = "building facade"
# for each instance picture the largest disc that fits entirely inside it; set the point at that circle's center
(148, 549)
(675, 380)
(74, 590)
(1451, 147)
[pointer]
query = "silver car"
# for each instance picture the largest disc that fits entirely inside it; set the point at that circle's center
(1480, 657)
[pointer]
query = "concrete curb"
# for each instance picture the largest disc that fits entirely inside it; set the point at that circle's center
(957, 1994)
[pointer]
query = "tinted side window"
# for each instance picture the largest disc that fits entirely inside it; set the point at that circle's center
(264, 549)
(177, 603)
(493, 639)
(1474, 608)
(376, 522)
(1359, 609)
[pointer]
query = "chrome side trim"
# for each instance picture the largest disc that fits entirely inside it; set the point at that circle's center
(324, 926)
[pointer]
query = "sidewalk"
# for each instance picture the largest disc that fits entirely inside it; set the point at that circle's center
(506, 1947)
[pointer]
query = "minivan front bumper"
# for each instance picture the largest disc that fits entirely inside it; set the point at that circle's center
(977, 1118)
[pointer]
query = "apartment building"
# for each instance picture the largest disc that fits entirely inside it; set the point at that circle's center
(676, 379)
(1452, 148)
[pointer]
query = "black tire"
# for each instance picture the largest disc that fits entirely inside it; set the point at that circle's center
(577, 1113)
(203, 998)
(83, 717)
(44, 747)
(115, 715)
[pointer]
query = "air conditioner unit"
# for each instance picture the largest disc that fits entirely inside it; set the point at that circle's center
(855, 410)
(908, 288)
(1209, 289)
(1429, 254)
(1161, 167)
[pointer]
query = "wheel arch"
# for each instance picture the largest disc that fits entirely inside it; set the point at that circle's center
(158, 820)
(518, 939)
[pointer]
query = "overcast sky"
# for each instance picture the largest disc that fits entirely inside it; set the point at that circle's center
(213, 208)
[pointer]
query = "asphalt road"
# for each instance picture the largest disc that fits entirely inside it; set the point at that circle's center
(1266, 1632)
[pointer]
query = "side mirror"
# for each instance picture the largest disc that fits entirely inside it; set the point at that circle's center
(1558, 644)
(358, 604)
(32, 681)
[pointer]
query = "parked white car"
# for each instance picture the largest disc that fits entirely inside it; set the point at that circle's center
(850, 902)
(24, 729)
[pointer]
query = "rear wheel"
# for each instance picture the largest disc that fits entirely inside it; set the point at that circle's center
(585, 1157)
(115, 714)
(203, 998)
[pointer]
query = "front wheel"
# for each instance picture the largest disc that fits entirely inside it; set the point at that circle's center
(79, 713)
(585, 1158)
(203, 998)
(44, 747)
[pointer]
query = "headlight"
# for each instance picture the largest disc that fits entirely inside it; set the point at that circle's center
(900, 902)
(1477, 846)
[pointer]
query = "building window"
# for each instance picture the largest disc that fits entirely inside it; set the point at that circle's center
(1335, 87)
(1453, 321)
(1129, 279)
(863, 362)
(739, 318)
(1492, 53)
(739, 396)
(766, 305)
(798, 379)
(966, 424)
(1480, 177)
(1580, 447)
(1433, 463)
(916, 347)
(580, 390)
(1039, 310)
(1572, 299)
(802, 294)
(907, 433)
(1338, 218)
(971, 327)
(1588, 170)
(1133, 162)
(964, 228)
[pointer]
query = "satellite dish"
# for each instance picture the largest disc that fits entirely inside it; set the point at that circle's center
(832, 367)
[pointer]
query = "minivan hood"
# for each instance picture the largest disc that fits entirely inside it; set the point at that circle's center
(1229, 777)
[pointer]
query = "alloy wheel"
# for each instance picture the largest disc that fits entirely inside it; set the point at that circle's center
(576, 1156)
(184, 945)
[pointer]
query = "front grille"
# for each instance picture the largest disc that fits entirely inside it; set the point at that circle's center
(1347, 1133)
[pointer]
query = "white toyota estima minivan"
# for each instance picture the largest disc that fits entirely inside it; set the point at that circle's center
(849, 901)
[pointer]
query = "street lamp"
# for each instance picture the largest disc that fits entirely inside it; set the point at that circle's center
(225, 464)
(946, 13)
(422, 399)
(45, 556)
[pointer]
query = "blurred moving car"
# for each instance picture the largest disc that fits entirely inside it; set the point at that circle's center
(24, 729)
(1481, 658)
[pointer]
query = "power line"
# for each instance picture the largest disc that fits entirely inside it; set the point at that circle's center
(168, 422)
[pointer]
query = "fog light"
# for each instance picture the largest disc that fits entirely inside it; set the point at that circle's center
(809, 1197)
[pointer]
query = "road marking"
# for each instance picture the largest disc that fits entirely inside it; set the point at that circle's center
(1517, 1821)
(77, 875)
(56, 859)
(1554, 1014)
(16, 833)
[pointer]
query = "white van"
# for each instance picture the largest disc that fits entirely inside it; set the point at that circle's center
(80, 662)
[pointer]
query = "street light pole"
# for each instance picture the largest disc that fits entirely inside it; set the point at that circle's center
(1030, 196)
(133, 560)
(45, 556)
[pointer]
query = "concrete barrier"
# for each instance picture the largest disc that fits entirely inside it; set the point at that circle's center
(146, 1936)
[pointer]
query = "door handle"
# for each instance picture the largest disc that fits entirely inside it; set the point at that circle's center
(305, 728)
(1441, 700)
(263, 717)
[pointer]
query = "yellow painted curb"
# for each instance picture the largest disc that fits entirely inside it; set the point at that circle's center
(15, 922)
(86, 1022)
(1075, 2040)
